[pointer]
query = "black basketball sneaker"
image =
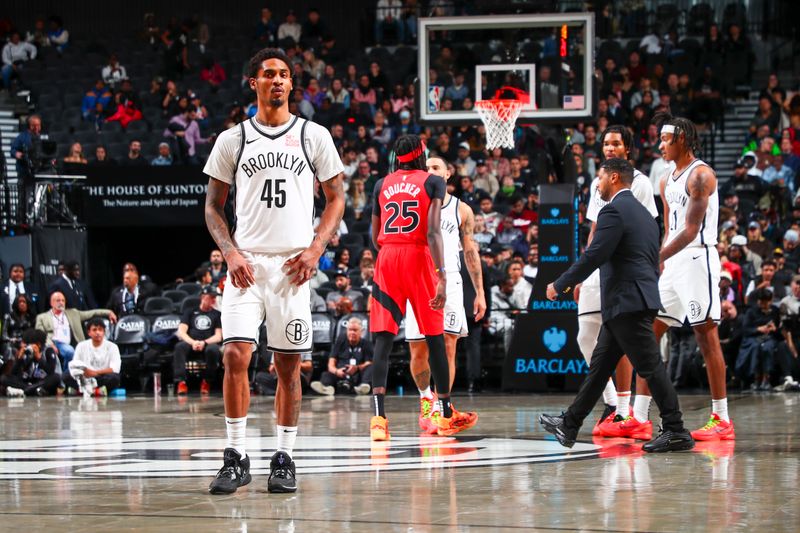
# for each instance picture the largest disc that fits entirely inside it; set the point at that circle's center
(235, 473)
(281, 473)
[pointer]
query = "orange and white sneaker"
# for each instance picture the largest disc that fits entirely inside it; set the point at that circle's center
(469, 418)
(630, 428)
(448, 427)
(379, 429)
(715, 429)
(425, 412)
(205, 387)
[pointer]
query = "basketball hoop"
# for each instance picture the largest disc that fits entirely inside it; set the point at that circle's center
(499, 115)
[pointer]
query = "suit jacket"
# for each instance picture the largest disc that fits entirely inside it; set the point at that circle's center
(30, 291)
(115, 301)
(625, 248)
(78, 296)
(75, 317)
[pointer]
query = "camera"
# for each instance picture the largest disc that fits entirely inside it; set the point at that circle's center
(28, 351)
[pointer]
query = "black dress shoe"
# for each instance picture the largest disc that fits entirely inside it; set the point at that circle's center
(670, 441)
(557, 426)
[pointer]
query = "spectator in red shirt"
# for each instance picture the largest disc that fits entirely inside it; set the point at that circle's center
(212, 73)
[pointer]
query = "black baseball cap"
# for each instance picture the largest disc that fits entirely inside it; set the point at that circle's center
(210, 289)
(340, 272)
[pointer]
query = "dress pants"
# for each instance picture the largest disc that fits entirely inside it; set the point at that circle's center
(183, 352)
(630, 334)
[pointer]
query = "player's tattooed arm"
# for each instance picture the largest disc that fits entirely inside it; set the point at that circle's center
(700, 185)
(215, 215)
(472, 259)
(300, 268)
(239, 270)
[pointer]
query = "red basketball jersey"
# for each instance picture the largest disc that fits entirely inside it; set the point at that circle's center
(402, 199)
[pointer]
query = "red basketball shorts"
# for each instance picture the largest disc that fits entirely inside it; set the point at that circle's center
(404, 274)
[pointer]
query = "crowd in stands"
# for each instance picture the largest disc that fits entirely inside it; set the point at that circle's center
(368, 102)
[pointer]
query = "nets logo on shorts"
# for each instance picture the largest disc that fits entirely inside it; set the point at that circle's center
(297, 331)
(695, 310)
(450, 319)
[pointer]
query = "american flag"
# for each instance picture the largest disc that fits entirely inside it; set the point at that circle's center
(574, 102)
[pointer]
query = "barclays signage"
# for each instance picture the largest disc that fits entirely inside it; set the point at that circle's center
(554, 256)
(551, 366)
(554, 219)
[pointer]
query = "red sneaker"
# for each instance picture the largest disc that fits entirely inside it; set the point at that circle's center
(715, 429)
(597, 430)
(181, 388)
(630, 428)
(205, 387)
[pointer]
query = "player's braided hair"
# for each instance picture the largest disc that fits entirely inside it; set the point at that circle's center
(262, 55)
(406, 145)
(683, 126)
(625, 133)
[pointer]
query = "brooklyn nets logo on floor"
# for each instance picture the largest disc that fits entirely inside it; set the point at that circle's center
(187, 457)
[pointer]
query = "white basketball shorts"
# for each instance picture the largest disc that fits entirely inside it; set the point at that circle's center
(689, 287)
(455, 317)
(589, 298)
(287, 307)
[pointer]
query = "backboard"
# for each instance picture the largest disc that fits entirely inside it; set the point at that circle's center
(464, 59)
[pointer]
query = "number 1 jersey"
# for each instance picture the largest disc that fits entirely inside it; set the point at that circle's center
(402, 200)
(272, 171)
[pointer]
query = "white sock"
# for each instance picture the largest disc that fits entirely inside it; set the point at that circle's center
(237, 431)
(721, 408)
(286, 438)
(641, 408)
(610, 394)
(427, 393)
(624, 404)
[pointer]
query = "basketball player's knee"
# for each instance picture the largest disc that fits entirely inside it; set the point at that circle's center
(236, 358)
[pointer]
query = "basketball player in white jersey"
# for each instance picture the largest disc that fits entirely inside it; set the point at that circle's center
(689, 283)
(458, 223)
(269, 164)
(616, 141)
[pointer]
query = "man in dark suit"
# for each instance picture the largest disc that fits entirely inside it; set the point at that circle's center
(79, 295)
(625, 248)
(129, 298)
(17, 285)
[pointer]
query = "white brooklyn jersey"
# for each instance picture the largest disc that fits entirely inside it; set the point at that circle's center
(272, 172)
(451, 238)
(676, 196)
(641, 188)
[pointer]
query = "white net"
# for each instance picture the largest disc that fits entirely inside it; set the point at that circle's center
(499, 117)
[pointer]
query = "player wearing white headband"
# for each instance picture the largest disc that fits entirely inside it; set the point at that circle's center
(691, 268)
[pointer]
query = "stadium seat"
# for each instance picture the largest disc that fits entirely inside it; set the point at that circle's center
(129, 333)
(701, 16)
(322, 330)
(734, 13)
(167, 322)
(191, 289)
(176, 296)
(360, 226)
(190, 303)
(351, 240)
(158, 305)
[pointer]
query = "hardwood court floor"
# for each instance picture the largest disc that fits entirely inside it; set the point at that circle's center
(143, 464)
